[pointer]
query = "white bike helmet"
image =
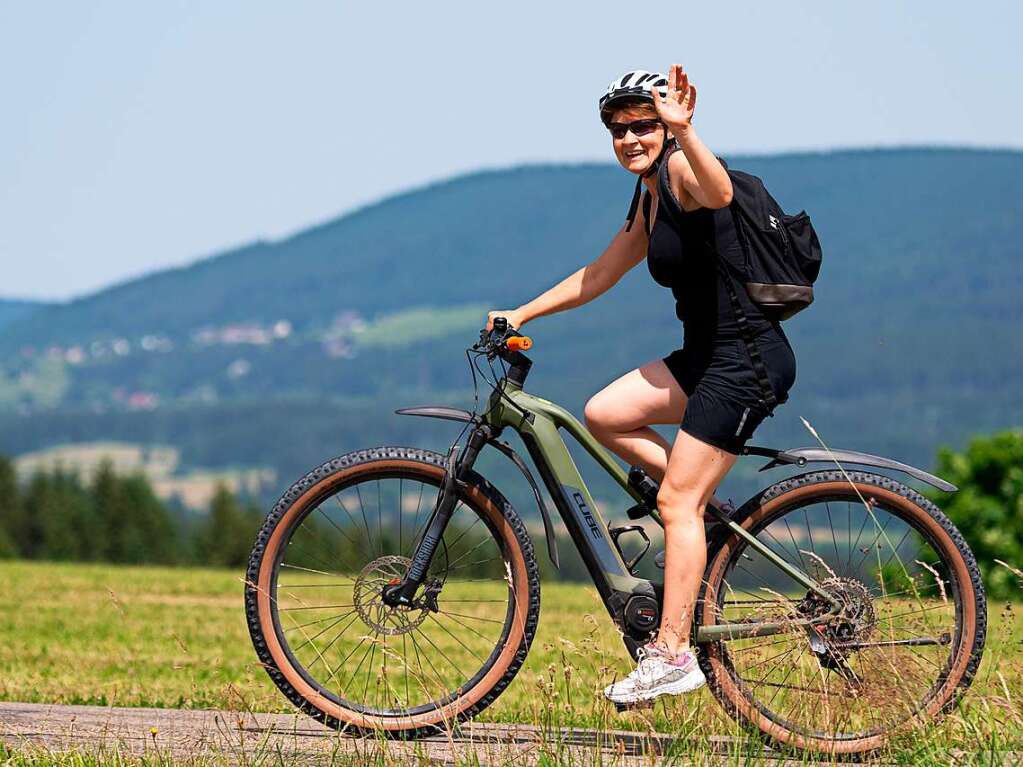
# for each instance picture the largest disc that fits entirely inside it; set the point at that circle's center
(632, 86)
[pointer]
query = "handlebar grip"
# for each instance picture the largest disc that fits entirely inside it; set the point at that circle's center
(519, 343)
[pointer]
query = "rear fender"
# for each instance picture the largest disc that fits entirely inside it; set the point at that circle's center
(801, 456)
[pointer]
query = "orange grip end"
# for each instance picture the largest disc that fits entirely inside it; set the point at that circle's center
(519, 343)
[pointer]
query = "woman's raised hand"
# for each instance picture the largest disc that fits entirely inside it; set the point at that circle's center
(676, 109)
(514, 317)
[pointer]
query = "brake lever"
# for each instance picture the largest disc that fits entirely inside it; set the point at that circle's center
(491, 340)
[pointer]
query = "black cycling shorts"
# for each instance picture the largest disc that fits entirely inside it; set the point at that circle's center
(723, 392)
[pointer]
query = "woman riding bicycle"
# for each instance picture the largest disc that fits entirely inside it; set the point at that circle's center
(709, 385)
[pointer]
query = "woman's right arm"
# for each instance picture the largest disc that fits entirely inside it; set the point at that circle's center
(625, 251)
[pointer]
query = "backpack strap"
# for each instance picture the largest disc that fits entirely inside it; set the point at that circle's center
(634, 205)
(769, 399)
(646, 213)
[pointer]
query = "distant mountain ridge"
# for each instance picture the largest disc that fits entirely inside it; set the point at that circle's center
(913, 340)
(12, 309)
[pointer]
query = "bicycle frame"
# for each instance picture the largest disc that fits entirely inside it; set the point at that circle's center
(539, 432)
(537, 421)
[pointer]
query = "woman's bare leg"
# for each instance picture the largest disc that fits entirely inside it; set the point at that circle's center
(694, 470)
(619, 415)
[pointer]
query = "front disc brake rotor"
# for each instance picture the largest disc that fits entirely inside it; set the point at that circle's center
(369, 604)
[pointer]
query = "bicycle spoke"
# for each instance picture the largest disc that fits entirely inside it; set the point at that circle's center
(463, 644)
(311, 607)
(362, 510)
(321, 631)
(794, 545)
(471, 617)
(874, 543)
(831, 525)
(466, 626)
(334, 524)
(303, 552)
(473, 564)
(380, 519)
(309, 570)
(355, 671)
(319, 653)
(319, 620)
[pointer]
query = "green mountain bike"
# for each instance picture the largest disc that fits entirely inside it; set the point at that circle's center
(396, 589)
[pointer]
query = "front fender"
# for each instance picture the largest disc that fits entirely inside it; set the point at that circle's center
(437, 411)
(801, 456)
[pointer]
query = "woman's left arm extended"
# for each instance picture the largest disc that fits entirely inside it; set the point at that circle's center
(703, 176)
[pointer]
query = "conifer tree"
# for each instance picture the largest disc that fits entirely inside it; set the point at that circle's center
(154, 538)
(28, 528)
(69, 523)
(225, 538)
(10, 509)
(111, 510)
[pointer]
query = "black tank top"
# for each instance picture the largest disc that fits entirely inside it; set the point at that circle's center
(678, 257)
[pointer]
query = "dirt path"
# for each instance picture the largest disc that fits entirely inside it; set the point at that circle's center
(296, 739)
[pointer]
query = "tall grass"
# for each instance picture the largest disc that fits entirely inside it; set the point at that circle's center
(166, 637)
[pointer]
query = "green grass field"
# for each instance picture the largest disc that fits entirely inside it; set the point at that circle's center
(164, 637)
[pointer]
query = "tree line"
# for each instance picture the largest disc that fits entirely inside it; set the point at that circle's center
(58, 515)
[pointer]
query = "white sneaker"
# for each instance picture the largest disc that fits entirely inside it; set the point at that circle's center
(658, 673)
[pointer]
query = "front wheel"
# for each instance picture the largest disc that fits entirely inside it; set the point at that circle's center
(905, 644)
(313, 592)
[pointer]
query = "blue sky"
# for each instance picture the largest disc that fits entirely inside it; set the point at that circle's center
(143, 135)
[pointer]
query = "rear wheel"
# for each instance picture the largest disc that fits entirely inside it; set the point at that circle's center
(906, 643)
(321, 629)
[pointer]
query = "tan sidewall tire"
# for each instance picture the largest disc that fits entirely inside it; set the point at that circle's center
(481, 495)
(966, 659)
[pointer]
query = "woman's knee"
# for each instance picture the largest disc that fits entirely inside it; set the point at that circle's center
(680, 503)
(599, 414)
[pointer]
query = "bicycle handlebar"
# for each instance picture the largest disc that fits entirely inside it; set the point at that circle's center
(502, 337)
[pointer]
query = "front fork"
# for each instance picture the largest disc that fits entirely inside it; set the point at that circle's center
(403, 592)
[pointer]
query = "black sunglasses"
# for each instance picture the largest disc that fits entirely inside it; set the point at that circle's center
(638, 127)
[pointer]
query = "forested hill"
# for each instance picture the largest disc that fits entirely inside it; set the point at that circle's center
(11, 310)
(914, 339)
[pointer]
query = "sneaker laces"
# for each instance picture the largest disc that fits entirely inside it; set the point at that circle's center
(651, 657)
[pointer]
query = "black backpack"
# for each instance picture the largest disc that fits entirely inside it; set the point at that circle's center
(782, 252)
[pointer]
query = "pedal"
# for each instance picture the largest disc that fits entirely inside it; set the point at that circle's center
(638, 511)
(646, 485)
(639, 705)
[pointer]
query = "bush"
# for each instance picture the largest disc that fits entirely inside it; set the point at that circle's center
(988, 508)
